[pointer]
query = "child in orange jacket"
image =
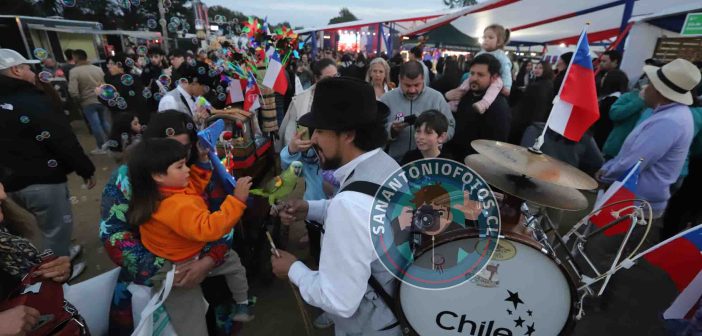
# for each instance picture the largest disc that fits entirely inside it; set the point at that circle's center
(174, 220)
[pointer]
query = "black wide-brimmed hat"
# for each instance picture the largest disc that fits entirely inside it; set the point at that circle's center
(342, 104)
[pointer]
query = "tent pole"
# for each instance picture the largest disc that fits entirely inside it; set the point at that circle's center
(626, 16)
(313, 36)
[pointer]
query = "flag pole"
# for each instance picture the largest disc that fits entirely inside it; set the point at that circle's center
(536, 148)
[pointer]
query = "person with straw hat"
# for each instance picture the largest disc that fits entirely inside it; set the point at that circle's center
(663, 140)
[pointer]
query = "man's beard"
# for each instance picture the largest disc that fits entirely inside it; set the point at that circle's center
(331, 164)
(327, 163)
(477, 91)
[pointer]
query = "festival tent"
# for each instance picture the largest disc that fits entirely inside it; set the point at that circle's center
(372, 34)
(548, 21)
(402, 22)
(447, 37)
(658, 36)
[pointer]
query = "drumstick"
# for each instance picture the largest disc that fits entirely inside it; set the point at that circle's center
(270, 240)
(298, 298)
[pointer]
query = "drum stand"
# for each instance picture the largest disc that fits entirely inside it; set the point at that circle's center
(541, 225)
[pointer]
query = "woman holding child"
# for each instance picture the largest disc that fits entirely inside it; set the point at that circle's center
(123, 244)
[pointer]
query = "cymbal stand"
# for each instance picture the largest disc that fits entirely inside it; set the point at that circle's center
(534, 222)
(582, 232)
(540, 224)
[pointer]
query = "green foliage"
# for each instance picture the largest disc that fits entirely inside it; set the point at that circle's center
(459, 3)
(345, 15)
(113, 14)
(120, 14)
(19, 7)
(227, 13)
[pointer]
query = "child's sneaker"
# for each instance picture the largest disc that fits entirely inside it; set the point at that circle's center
(243, 313)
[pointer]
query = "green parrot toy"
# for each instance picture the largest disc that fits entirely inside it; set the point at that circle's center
(281, 185)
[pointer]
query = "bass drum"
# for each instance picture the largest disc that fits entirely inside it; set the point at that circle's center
(522, 291)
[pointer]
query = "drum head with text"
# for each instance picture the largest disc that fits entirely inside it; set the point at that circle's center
(521, 291)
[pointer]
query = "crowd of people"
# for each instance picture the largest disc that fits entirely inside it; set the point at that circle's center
(346, 117)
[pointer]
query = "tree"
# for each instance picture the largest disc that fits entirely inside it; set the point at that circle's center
(227, 13)
(459, 3)
(113, 14)
(20, 7)
(345, 15)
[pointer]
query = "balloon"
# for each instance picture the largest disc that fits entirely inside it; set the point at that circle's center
(107, 92)
(67, 3)
(165, 80)
(127, 80)
(45, 76)
(41, 53)
(151, 23)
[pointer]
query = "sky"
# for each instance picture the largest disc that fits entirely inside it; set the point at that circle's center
(312, 13)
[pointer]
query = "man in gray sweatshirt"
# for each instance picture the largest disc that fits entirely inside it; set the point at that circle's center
(411, 98)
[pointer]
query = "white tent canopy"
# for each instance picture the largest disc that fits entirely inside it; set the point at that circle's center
(548, 21)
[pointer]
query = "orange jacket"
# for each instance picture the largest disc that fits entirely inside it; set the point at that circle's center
(182, 225)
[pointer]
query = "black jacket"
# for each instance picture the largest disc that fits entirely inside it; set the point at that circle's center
(149, 76)
(134, 96)
(583, 154)
(534, 106)
(603, 126)
(494, 124)
(558, 81)
(37, 145)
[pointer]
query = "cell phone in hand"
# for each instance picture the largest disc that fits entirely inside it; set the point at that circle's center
(410, 119)
(304, 132)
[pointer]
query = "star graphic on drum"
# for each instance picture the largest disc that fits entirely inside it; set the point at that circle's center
(529, 312)
(518, 322)
(530, 330)
(514, 298)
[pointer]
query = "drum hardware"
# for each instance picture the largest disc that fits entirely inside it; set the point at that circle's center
(584, 230)
(536, 223)
(532, 222)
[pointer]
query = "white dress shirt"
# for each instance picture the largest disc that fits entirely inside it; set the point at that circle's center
(347, 251)
(169, 102)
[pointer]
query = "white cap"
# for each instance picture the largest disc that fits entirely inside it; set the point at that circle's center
(10, 58)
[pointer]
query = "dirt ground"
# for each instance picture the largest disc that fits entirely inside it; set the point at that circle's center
(277, 312)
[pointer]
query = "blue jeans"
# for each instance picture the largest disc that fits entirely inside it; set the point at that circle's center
(98, 117)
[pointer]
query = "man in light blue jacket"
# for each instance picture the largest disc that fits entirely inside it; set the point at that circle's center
(411, 98)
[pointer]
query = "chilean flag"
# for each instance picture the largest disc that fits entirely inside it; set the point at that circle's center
(275, 75)
(575, 107)
(251, 102)
(235, 93)
(681, 257)
(622, 189)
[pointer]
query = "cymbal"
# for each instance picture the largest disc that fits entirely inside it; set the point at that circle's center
(538, 166)
(514, 183)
